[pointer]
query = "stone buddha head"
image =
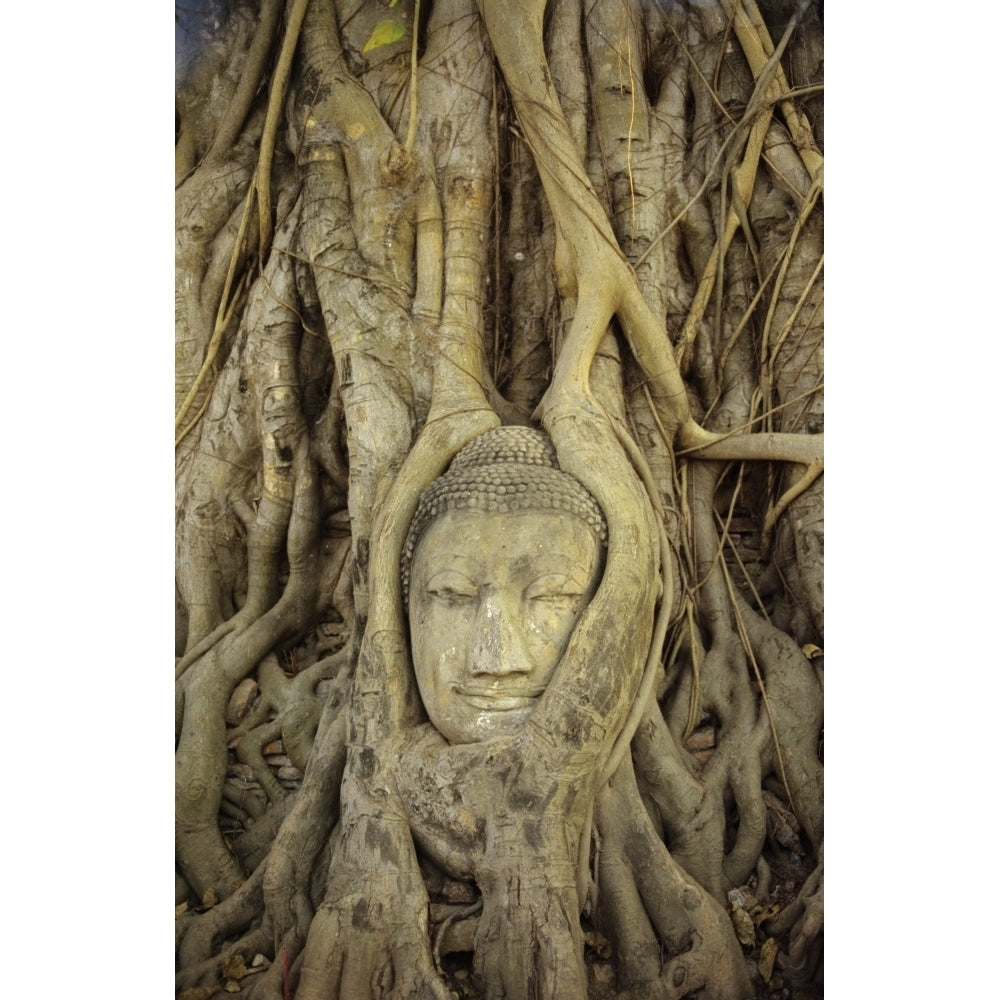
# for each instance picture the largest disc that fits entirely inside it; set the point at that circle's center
(504, 552)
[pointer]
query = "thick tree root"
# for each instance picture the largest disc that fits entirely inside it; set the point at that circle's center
(372, 934)
(671, 938)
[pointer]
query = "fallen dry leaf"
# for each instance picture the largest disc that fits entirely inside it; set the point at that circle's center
(766, 913)
(768, 953)
(743, 925)
(234, 967)
(599, 943)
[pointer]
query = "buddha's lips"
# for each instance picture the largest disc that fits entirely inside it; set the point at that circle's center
(503, 700)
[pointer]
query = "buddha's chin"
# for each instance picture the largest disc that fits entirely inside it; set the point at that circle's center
(481, 721)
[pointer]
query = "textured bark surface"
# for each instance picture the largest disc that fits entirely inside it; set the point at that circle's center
(399, 226)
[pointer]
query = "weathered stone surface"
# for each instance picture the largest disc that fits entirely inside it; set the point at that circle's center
(241, 701)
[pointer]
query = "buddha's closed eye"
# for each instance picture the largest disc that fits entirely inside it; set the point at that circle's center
(452, 588)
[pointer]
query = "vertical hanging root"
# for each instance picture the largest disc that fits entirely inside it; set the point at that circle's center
(758, 48)
(275, 103)
(259, 191)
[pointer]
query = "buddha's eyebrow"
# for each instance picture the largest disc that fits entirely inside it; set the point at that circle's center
(577, 575)
(555, 561)
(439, 560)
(446, 572)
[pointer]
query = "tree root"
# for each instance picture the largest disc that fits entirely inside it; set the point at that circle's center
(372, 932)
(202, 938)
(671, 938)
(204, 859)
(803, 920)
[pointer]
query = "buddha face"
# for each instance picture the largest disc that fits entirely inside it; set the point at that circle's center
(493, 600)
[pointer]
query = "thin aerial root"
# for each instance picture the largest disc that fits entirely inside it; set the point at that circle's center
(790, 322)
(411, 132)
(735, 553)
(812, 472)
(250, 78)
(586, 887)
(760, 51)
(227, 307)
(694, 703)
(275, 102)
(745, 177)
(812, 200)
(193, 422)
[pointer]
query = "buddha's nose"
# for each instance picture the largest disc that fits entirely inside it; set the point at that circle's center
(497, 647)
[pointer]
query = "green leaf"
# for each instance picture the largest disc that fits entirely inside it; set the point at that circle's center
(385, 33)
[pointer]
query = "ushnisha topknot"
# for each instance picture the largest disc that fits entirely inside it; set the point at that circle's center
(504, 470)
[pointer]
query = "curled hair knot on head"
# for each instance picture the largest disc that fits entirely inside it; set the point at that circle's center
(505, 470)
